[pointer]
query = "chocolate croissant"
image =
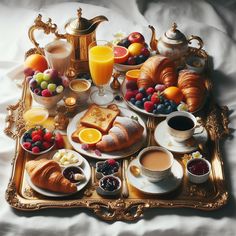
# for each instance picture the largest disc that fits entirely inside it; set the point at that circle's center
(157, 70)
(193, 88)
(46, 174)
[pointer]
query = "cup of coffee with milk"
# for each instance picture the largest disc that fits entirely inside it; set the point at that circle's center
(155, 163)
(182, 125)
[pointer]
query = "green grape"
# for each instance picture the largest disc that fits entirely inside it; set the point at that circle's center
(44, 85)
(39, 77)
(59, 89)
(52, 87)
(46, 77)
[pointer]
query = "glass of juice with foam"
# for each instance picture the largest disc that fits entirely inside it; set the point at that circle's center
(101, 62)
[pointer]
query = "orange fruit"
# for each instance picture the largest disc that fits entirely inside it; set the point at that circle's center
(36, 62)
(121, 54)
(90, 136)
(135, 49)
(132, 74)
(173, 93)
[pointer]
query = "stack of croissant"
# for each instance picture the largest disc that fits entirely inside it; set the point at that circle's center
(193, 88)
(46, 174)
(157, 70)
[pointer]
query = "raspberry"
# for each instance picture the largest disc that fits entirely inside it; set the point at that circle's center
(37, 132)
(46, 93)
(46, 145)
(27, 145)
(139, 96)
(35, 149)
(148, 106)
(59, 141)
(36, 138)
(111, 162)
(150, 90)
(155, 98)
(48, 137)
(129, 94)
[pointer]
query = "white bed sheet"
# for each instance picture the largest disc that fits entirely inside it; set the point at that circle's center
(213, 21)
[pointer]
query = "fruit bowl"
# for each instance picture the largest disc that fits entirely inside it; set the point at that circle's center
(108, 167)
(47, 102)
(37, 140)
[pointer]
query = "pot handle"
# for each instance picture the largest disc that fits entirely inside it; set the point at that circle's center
(200, 42)
(47, 27)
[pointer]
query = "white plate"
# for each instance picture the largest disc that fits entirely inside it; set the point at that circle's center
(107, 155)
(87, 171)
(166, 185)
(162, 137)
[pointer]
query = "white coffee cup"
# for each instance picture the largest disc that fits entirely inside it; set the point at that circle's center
(58, 54)
(181, 125)
(80, 90)
(159, 166)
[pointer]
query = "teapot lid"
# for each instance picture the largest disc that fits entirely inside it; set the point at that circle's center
(79, 26)
(174, 36)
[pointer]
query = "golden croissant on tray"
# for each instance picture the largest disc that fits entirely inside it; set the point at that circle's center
(157, 70)
(193, 88)
(47, 174)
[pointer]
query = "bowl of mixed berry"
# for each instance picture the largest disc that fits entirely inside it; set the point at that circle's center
(37, 140)
(109, 185)
(105, 168)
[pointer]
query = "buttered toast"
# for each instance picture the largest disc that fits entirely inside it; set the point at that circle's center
(99, 118)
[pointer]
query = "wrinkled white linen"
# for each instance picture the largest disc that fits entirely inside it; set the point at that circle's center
(209, 20)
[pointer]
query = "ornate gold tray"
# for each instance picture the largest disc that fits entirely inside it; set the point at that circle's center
(208, 196)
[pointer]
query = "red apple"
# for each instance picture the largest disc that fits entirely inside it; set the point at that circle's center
(136, 37)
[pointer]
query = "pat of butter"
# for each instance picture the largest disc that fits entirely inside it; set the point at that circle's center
(79, 177)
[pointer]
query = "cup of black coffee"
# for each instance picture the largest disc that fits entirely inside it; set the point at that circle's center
(181, 125)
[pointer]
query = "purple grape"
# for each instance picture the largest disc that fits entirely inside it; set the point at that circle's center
(65, 81)
(28, 78)
(33, 83)
(53, 74)
(37, 91)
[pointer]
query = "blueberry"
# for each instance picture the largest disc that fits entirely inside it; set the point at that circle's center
(133, 100)
(155, 111)
(155, 106)
(141, 58)
(173, 104)
(139, 104)
(144, 100)
(142, 90)
(160, 108)
(166, 103)
(149, 97)
(169, 109)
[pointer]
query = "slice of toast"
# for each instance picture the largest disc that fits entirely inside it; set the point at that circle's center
(99, 117)
(75, 134)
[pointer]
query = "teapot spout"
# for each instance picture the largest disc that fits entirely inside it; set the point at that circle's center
(96, 21)
(153, 42)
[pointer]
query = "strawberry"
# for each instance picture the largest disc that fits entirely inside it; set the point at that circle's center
(59, 141)
(48, 136)
(36, 138)
(155, 98)
(129, 94)
(35, 149)
(139, 96)
(37, 132)
(27, 145)
(150, 90)
(46, 145)
(148, 106)
(111, 162)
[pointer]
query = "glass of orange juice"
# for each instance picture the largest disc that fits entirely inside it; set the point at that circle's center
(101, 62)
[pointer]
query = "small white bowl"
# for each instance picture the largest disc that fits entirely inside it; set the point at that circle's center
(47, 102)
(99, 174)
(196, 64)
(198, 179)
(36, 154)
(100, 190)
(81, 171)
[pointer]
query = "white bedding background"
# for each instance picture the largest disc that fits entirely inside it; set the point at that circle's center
(213, 21)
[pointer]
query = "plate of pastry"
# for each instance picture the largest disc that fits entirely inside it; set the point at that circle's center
(160, 89)
(47, 177)
(107, 132)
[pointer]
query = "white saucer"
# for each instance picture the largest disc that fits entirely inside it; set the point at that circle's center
(164, 186)
(162, 137)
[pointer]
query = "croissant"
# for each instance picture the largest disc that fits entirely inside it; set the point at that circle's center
(193, 88)
(124, 133)
(157, 70)
(47, 174)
